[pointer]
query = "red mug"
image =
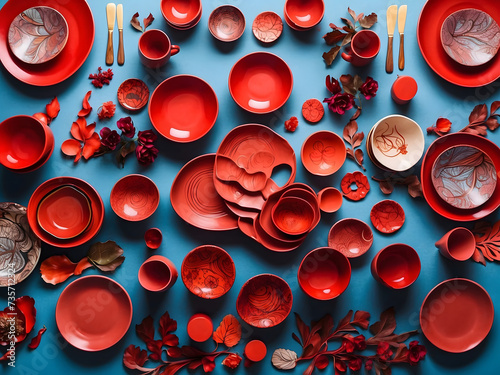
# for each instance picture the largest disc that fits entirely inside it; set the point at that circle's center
(365, 45)
(155, 48)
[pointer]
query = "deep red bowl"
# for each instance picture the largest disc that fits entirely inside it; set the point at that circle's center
(260, 82)
(396, 266)
(352, 237)
(305, 14)
(293, 215)
(323, 153)
(181, 13)
(134, 197)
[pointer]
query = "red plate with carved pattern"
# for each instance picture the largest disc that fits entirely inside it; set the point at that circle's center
(387, 216)
(133, 94)
(267, 27)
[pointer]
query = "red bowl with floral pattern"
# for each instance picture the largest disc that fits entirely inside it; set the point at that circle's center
(323, 153)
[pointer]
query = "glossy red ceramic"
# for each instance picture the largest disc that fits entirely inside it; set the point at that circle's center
(364, 47)
(80, 40)
(396, 266)
(305, 13)
(330, 199)
(226, 23)
(404, 89)
(458, 244)
(387, 216)
(153, 238)
(324, 273)
(457, 315)
(267, 27)
(323, 153)
(93, 313)
(65, 212)
(181, 13)
(133, 94)
(155, 48)
(432, 16)
(255, 350)
(352, 237)
(303, 191)
(208, 271)
(157, 274)
(200, 327)
(96, 204)
(264, 301)
(292, 25)
(194, 198)
(260, 82)
(229, 170)
(233, 192)
(183, 108)
(293, 215)
(355, 186)
(134, 197)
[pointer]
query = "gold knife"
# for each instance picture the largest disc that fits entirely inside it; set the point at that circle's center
(392, 13)
(401, 29)
(119, 20)
(110, 14)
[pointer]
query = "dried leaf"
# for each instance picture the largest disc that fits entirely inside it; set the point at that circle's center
(104, 253)
(71, 147)
(478, 257)
(111, 266)
(86, 108)
(284, 359)
(478, 114)
(167, 325)
(492, 123)
(347, 82)
(349, 130)
(135, 22)
(357, 82)
(333, 37)
(125, 150)
(358, 154)
(386, 187)
(331, 55)
(344, 321)
(352, 13)
(35, 341)
(361, 319)
(368, 21)
(145, 330)
(148, 21)
(53, 108)
(59, 268)
(134, 358)
(494, 107)
(488, 241)
(228, 332)
(348, 22)
(304, 330)
(347, 39)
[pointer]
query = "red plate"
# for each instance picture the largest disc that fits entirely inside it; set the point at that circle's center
(431, 18)
(80, 40)
(133, 94)
(387, 216)
(457, 315)
(93, 313)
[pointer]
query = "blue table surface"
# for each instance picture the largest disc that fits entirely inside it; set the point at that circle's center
(203, 56)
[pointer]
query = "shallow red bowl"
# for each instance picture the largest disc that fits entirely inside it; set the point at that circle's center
(387, 216)
(264, 301)
(323, 153)
(208, 271)
(457, 315)
(181, 13)
(65, 212)
(293, 215)
(324, 273)
(305, 13)
(133, 94)
(260, 82)
(396, 266)
(352, 237)
(226, 23)
(134, 197)
(107, 316)
(183, 108)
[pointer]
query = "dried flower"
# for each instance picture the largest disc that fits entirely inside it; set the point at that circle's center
(442, 126)
(291, 124)
(126, 125)
(106, 110)
(146, 137)
(340, 102)
(146, 154)
(109, 138)
(360, 342)
(232, 360)
(384, 351)
(416, 352)
(369, 88)
(355, 364)
(101, 78)
(333, 85)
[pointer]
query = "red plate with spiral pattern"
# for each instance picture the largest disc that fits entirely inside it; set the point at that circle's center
(134, 197)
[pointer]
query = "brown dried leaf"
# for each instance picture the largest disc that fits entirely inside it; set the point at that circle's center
(104, 253)
(135, 22)
(357, 139)
(347, 39)
(358, 154)
(110, 267)
(386, 187)
(347, 82)
(492, 123)
(349, 131)
(357, 82)
(284, 359)
(368, 21)
(349, 23)
(333, 37)
(148, 21)
(331, 55)
(352, 13)
(478, 115)
(494, 107)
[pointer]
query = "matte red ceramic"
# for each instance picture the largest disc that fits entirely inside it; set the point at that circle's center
(181, 13)
(457, 315)
(355, 186)
(19, 245)
(194, 198)
(96, 204)
(323, 153)
(313, 110)
(404, 89)
(133, 94)
(233, 192)
(330, 199)
(241, 211)
(396, 266)
(305, 13)
(208, 271)
(153, 238)
(25, 143)
(255, 350)
(352, 237)
(267, 27)
(155, 48)
(387, 216)
(458, 244)
(364, 47)
(81, 34)
(264, 301)
(274, 243)
(305, 192)
(157, 274)
(324, 273)
(228, 170)
(183, 108)
(431, 196)
(134, 197)
(432, 16)
(93, 313)
(65, 212)
(247, 227)
(293, 215)
(260, 82)
(226, 23)
(200, 327)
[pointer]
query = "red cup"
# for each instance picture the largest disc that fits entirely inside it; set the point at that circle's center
(396, 266)
(155, 48)
(458, 244)
(404, 89)
(157, 274)
(200, 327)
(153, 238)
(365, 45)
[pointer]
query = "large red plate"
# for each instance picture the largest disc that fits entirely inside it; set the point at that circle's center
(80, 40)
(431, 18)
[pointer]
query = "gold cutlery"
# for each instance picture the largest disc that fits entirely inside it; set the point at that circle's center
(119, 20)
(392, 13)
(110, 15)
(401, 29)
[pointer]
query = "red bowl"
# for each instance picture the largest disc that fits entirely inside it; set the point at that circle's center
(208, 271)
(133, 94)
(323, 153)
(153, 238)
(396, 266)
(352, 237)
(304, 14)
(260, 82)
(226, 23)
(157, 274)
(305, 192)
(293, 215)
(181, 13)
(183, 108)
(330, 199)
(324, 273)
(134, 197)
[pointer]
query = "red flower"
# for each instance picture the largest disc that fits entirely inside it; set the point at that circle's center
(126, 125)
(340, 102)
(101, 78)
(340, 366)
(232, 360)
(443, 125)
(18, 319)
(333, 85)
(107, 110)
(146, 154)
(109, 138)
(360, 342)
(368, 364)
(384, 351)
(348, 343)
(146, 137)
(355, 364)
(369, 88)
(416, 353)
(208, 363)
(291, 125)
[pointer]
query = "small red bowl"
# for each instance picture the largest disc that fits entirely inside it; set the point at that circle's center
(183, 108)
(304, 14)
(264, 301)
(396, 266)
(293, 215)
(352, 237)
(324, 273)
(330, 199)
(157, 274)
(134, 197)
(133, 94)
(181, 13)
(208, 271)
(153, 238)
(226, 23)
(307, 193)
(260, 82)
(323, 153)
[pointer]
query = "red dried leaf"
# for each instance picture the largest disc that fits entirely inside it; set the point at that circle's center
(26, 305)
(174, 352)
(478, 114)
(344, 322)
(347, 39)
(386, 325)
(492, 123)
(71, 147)
(333, 37)
(59, 268)
(349, 131)
(386, 187)
(368, 21)
(193, 365)
(352, 13)
(321, 362)
(134, 358)
(172, 368)
(53, 108)
(170, 340)
(208, 363)
(488, 241)
(304, 330)
(145, 330)
(154, 346)
(331, 55)
(43, 118)
(167, 325)
(91, 146)
(348, 22)
(86, 108)
(148, 21)
(361, 319)
(228, 332)
(135, 22)
(35, 341)
(348, 83)
(191, 352)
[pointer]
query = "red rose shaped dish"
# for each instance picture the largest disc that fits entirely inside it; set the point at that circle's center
(133, 94)
(396, 266)
(183, 108)
(267, 27)
(304, 14)
(264, 301)
(355, 186)
(260, 82)
(351, 237)
(323, 153)
(103, 315)
(457, 315)
(208, 271)
(387, 216)
(226, 23)
(134, 197)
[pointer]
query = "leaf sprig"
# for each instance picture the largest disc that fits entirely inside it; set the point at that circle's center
(487, 242)
(412, 182)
